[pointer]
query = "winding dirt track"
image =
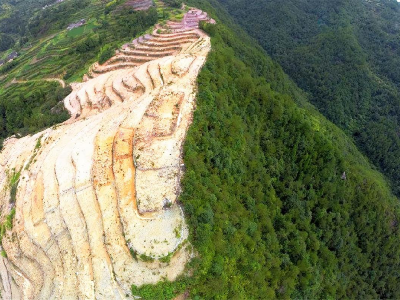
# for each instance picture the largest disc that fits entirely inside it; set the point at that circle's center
(60, 81)
(96, 198)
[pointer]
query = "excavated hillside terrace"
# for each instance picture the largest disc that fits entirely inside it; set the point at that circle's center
(95, 198)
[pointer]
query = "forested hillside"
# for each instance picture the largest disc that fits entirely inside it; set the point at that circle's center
(279, 201)
(346, 55)
(14, 18)
(271, 213)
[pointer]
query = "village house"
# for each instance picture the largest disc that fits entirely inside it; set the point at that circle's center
(75, 25)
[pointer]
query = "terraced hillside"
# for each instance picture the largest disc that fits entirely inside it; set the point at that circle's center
(139, 4)
(89, 206)
(166, 40)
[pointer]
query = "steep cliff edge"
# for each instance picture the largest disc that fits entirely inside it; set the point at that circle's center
(89, 206)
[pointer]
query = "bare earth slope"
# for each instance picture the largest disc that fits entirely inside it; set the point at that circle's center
(95, 207)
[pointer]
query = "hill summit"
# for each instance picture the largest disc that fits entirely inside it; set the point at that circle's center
(94, 198)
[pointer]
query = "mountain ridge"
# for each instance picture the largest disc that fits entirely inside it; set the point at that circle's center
(278, 201)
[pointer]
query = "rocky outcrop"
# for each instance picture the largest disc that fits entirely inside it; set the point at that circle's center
(95, 198)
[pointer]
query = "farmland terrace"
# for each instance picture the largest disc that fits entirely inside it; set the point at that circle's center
(93, 201)
(139, 4)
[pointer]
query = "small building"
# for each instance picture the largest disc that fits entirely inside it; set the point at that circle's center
(12, 56)
(75, 25)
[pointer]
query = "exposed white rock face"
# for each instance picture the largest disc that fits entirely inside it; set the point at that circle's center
(101, 188)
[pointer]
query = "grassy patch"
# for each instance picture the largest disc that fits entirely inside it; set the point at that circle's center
(146, 258)
(77, 32)
(14, 185)
(163, 290)
(8, 224)
(26, 108)
(9, 220)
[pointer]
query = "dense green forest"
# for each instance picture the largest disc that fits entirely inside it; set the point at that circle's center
(56, 17)
(29, 107)
(270, 212)
(14, 18)
(346, 55)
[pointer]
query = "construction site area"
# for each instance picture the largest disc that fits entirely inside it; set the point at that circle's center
(96, 197)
